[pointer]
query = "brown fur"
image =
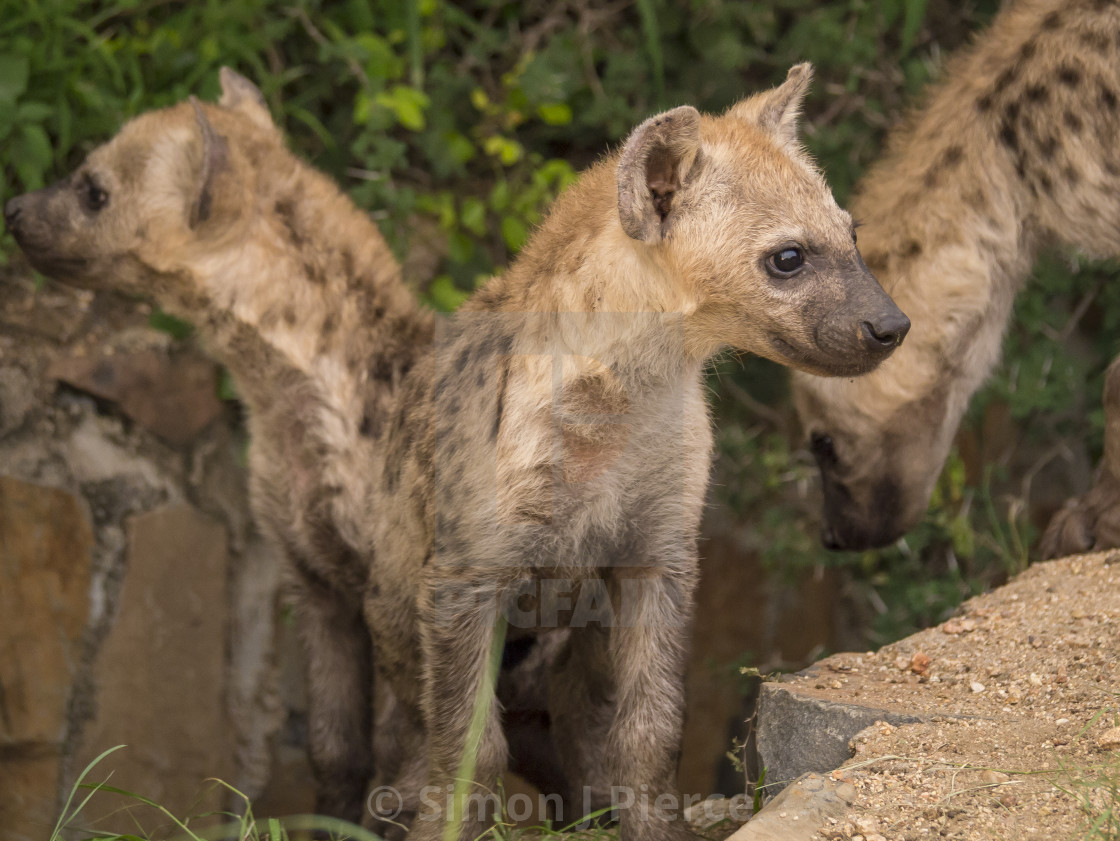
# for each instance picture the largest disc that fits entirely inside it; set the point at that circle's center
(1015, 148)
(554, 430)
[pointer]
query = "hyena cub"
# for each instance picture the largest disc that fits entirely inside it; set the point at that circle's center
(555, 445)
(202, 208)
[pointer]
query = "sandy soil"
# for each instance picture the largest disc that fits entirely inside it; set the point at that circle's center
(1024, 689)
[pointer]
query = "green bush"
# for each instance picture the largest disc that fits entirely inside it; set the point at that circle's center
(459, 122)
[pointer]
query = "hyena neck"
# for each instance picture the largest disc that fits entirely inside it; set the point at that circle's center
(608, 298)
(310, 288)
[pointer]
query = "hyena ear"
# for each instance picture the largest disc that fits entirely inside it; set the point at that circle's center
(239, 94)
(215, 159)
(655, 163)
(776, 111)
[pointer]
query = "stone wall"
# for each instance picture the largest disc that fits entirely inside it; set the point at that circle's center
(137, 604)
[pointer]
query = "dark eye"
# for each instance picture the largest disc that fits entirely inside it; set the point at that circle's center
(95, 197)
(821, 446)
(786, 261)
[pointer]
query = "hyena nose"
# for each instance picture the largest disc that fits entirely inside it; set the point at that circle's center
(885, 333)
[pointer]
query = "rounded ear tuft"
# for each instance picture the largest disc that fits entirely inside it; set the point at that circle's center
(239, 94)
(655, 161)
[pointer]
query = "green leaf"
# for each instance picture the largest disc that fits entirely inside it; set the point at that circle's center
(227, 388)
(473, 216)
(33, 155)
(407, 104)
(460, 248)
(14, 72)
(458, 147)
(169, 324)
(33, 112)
(651, 31)
(514, 233)
(507, 151)
(380, 61)
(915, 13)
(499, 196)
(444, 295)
(555, 113)
(363, 108)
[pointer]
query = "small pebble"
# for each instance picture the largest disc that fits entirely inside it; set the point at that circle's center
(977, 686)
(993, 778)
(1109, 739)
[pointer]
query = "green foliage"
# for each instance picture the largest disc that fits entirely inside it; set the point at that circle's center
(470, 114)
(457, 124)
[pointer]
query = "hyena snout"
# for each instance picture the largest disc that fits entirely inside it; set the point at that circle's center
(859, 328)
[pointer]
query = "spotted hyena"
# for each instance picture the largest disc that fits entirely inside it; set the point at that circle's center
(1015, 149)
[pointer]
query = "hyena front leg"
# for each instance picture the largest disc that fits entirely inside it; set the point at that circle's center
(401, 758)
(648, 659)
(339, 680)
(457, 637)
(582, 706)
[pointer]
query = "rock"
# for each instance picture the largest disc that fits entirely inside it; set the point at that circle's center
(798, 732)
(919, 663)
(1109, 739)
(799, 811)
(161, 672)
(54, 312)
(174, 395)
(256, 707)
(29, 794)
(717, 809)
(16, 398)
(45, 551)
(45, 545)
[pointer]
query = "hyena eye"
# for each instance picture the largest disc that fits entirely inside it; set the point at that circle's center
(785, 261)
(95, 197)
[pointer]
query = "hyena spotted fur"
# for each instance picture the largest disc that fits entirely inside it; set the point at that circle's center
(1015, 149)
(423, 478)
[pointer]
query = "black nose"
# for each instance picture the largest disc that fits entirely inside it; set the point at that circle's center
(887, 332)
(11, 214)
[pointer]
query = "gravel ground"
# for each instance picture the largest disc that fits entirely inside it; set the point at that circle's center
(1028, 681)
